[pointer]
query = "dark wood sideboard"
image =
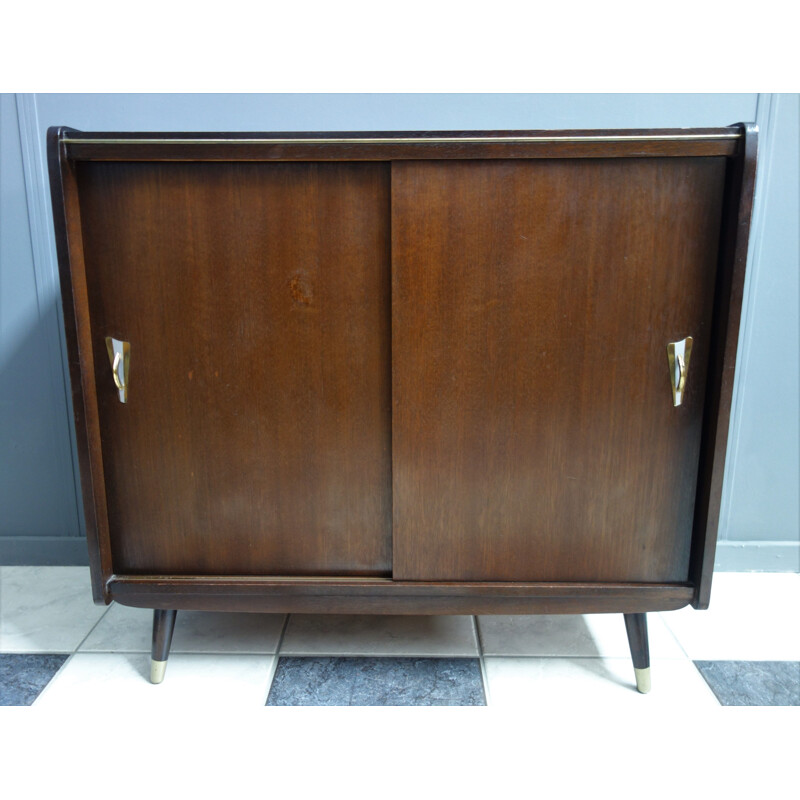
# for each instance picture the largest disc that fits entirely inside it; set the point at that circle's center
(403, 373)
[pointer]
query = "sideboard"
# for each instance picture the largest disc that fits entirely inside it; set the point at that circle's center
(403, 373)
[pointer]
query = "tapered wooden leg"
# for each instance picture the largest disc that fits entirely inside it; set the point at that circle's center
(163, 625)
(636, 625)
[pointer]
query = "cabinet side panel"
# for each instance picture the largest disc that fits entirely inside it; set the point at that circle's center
(727, 316)
(535, 436)
(255, 297)
(69, 246)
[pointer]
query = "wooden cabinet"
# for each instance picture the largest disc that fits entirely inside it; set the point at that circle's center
(403, 373)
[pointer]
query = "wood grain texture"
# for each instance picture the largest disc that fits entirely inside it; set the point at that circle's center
(377, 596)
(256, 438)
(317, 146)
(738, 209)
(534, 436)
(74, 305)
(535, 371)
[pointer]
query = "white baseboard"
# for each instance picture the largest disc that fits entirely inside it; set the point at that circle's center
(757, 556)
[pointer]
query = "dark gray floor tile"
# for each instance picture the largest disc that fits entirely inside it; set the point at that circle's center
(24, 675)
(753, 683)
(377, 682)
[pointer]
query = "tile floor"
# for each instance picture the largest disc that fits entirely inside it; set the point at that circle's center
(57, 649)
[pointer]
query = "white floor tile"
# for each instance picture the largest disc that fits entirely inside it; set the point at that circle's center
(570, 635)
(125, 629)
(752, 616)
(45, 609)
(379, 635)
(583, 684)
(103, 681)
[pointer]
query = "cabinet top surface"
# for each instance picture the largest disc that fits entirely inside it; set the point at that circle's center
(71, 135)
(383, 145)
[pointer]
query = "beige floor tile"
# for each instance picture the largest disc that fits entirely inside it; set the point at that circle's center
(752, 616)
(570, 635)
(379, 635)
(125, 629)
(114, 682)
(45, 609)
(585, 684)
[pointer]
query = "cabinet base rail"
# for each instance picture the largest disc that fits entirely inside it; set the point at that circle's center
(382, 596)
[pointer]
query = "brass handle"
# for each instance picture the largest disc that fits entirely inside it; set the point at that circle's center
(119, 380)
(678, 354)
(119, 354)
(681, 374)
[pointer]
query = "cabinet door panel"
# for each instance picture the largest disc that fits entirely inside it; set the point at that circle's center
(534, 432)
(256, 300)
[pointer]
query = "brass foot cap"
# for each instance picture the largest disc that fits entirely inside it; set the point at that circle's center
(157, 670)
(642, 679)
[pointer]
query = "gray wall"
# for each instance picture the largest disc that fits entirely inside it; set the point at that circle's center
(762, 483)
(40, 518)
